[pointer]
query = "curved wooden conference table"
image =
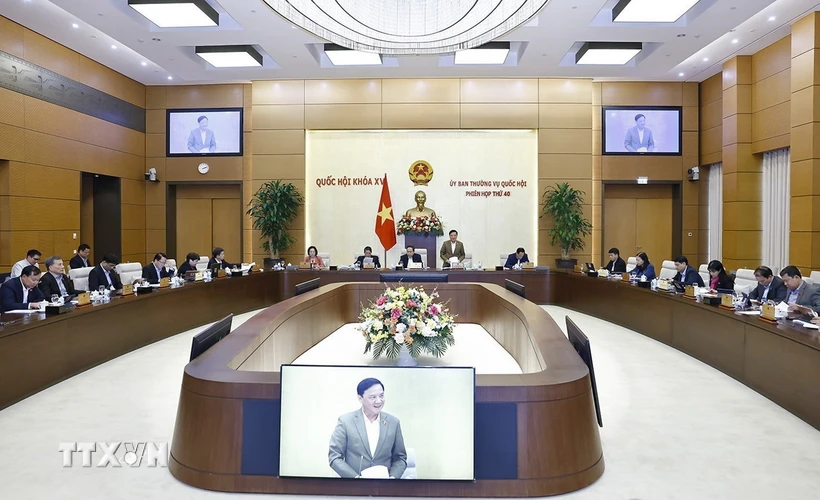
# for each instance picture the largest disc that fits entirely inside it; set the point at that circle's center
(781, 362)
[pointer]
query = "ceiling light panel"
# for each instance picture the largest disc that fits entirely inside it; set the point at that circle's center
(177, 13)
(607, 53)
(230, 56)
(489, 53)
(651, 11)
(341, 56)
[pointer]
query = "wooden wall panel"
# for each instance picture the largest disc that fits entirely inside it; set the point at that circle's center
(278, 92)
(343, 91)
(642, 93)
(198, 96)
(499, 116)
(421, 116)
(405, 91)
(279, 117)
(499, 90)
(343, 116)
(11, 37)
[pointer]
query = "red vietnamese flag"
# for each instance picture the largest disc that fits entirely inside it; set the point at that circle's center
(385, 223)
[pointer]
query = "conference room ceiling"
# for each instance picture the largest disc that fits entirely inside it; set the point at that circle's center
(691, 49)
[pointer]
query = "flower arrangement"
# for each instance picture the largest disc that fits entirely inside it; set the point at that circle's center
(406, 317)
(423, 225)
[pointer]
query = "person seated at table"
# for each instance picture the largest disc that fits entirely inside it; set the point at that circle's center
(686, 275)
(103, 275)
(81, 259)
(313, 257)
(55, 282)
(719, 279)
(769, 286)
(410, 255)
(368, 254)
(800, 292)
(155, 271)
(517, 258)
(190, 263)
(643, 268)
(22, 293)
(32, 259)
(616, 264)
(218, 260)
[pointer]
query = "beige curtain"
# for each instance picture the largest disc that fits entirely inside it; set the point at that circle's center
(776, 201)
(715, 186)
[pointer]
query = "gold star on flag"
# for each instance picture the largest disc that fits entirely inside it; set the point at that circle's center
(385, 214)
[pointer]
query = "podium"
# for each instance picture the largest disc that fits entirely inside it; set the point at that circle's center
(426, 241)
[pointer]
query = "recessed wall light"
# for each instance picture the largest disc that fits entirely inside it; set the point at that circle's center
(230, 56)
(75, 25)
(489, 53)
(341, 56)
(612, 53)
(650, 11)
(177, 13)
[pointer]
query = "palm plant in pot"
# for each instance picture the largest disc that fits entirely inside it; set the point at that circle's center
(273, 208)
(563, 204)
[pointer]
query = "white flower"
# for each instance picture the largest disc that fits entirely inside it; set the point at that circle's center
(399, 338)
(428, 332)
(431, 323)
(401, 328)
(419, 325)
(378, 325)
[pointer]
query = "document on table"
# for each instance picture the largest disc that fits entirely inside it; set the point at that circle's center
(749, 313)
(806, 325)
(26, 311)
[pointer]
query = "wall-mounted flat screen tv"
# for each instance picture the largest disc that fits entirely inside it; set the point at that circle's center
(204, 132)
(647, 130)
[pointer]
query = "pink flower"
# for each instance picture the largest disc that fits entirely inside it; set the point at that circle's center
(381, 300)
(396, 314)
(434, 310)
(410, 303)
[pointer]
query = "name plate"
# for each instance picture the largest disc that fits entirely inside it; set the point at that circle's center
(199, 276)
(767, 313)
(528, 265)
(221, 273)
(689, 291)
(625, 277)
(576, 268)
(414, 265)
(726, 301)
(369, 266)
(164, 282)
(128, 289)
(84, 299)
(304, 265)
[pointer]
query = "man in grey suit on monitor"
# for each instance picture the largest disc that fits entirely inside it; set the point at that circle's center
(202, 138)
(368, 437)
(639, 138)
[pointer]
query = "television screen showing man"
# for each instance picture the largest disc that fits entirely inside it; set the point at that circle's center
(201, 139)
(635, 130)
(203, 132)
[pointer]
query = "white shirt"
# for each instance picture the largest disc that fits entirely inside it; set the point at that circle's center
(25, 292)
(373, 430)
(17, 270)
(85, 261)
(204, 134)
(59, 279)
(452, 248)
(159, 272)
(640, 137)
(107, 276)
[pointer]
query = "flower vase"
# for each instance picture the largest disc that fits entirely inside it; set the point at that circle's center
(405, 359)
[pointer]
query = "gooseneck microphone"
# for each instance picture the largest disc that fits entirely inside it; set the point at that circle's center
(361, 459)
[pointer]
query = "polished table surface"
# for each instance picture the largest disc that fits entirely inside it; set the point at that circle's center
(779, 361)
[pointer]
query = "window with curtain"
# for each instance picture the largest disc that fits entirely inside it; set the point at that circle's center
(715, 186)
(776, 201)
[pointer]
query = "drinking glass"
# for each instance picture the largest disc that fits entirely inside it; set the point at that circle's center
(54, 298)
(101, 288)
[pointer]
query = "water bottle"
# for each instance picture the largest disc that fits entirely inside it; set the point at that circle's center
(654, 284)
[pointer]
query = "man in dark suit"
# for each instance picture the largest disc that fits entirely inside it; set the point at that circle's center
(368, 253)
(686, 275)
(104, 275)
(55, 282)
(409, 256)
(769, 286)
(800, 294)
(219, 260)
(155, 271)
(22, 293)
(81, 259)
(191, 261)
(616, 264)
(514, 259)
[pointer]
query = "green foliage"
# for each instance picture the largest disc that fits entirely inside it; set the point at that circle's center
(273, 208)
(563, 204)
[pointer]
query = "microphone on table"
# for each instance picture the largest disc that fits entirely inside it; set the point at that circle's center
(361, 459)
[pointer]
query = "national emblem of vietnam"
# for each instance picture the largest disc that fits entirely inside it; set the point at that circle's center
(421, 173)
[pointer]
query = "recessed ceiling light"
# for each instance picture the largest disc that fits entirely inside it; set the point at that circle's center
(113, 46)
(75, 25)
(613, 53)
(489, 53)
(144, 63)
(170, 77)
(650, 11)
(680, 74)
(772, 18)
(230, 56)
(705, 59)
(341, 56)
(177, 13)
(734, 40)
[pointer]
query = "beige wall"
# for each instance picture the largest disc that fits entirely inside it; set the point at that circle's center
(45, 147)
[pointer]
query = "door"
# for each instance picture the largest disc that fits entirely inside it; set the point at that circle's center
(638, 219)
(209, 216)
(193, 228)
(225, 230)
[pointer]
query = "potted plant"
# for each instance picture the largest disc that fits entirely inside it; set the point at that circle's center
(563, 204)
(273, 208)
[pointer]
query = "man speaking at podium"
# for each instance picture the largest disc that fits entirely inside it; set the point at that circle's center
(367, 442)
